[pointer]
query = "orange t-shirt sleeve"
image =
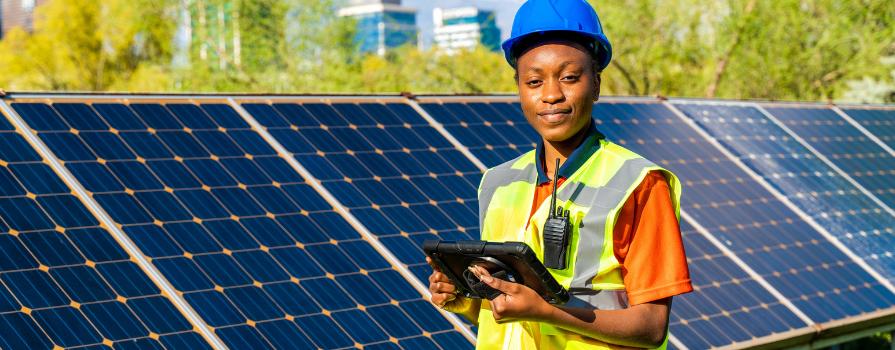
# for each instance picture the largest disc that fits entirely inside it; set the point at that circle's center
(647, 243)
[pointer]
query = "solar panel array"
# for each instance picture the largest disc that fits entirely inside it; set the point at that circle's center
(258, 253)
(297, 222)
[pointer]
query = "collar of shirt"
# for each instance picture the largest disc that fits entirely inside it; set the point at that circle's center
(580, 155)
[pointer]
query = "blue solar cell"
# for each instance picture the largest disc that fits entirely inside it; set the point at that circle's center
(365, 330)
(363, 289)
(254, 303)
(106, 145)
(82, 284)
(158, 315)
(214, 308)
(222, 269)
(80, 117)
(126, 280)
(324, 332)
(191, 116)
(40, 117)
(146, 144)
(114, 320)
(183, 144)
(184, 341)
(292, 298)
(261, 266)
(119, 116)
(49, 248)
(285, 335)
(328, 294)
(156, 116)
(36, 178)
(66, 326)
(817, 188)
(19, 331)
(394, 321)
(24, 214)
(224, 116)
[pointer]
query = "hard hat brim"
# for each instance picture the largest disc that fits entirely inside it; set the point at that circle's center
(602, 49)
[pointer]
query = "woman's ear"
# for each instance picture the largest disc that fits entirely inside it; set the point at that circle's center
(597, 80)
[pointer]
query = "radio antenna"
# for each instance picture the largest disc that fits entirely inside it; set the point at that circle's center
(553, 198)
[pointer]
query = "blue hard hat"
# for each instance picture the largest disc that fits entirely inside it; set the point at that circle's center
(539, 17)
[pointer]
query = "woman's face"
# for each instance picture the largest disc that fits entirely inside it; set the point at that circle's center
(557, 89)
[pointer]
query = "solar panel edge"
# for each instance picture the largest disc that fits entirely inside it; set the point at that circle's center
(368, 236)
(100, 214)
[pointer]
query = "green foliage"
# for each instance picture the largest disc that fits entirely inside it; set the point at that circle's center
(86, 44)
(785, 49)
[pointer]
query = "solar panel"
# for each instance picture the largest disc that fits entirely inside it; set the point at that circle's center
(878, 121)
(256, 251)
(827, 196)
(846, 146)
(393, 171)
(64, 280)
(760, 229)
(709, 317)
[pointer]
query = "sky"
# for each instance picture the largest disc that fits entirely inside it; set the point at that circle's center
(505, 9)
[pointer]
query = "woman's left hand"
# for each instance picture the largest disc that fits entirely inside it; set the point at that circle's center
(517, 303)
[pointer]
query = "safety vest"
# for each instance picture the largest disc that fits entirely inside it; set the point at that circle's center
(594, 194)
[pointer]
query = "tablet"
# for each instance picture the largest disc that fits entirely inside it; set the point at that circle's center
(510, 261)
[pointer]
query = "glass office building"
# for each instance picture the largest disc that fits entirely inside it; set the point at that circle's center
(382, 24)
(464, 28)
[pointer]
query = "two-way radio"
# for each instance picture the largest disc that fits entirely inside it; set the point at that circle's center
(557, 231)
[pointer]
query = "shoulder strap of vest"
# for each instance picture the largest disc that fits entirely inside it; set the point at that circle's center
(523, 168)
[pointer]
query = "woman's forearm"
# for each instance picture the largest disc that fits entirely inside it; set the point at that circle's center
(638, 326)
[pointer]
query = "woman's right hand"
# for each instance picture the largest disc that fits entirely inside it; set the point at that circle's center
(446, 297)
(443, 290)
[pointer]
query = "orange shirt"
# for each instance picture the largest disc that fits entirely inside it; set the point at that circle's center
(646, 240)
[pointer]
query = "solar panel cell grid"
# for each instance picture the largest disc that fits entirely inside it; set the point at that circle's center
(770, 238)
(493, 132)
(393, 171)
(829, 198)
(64, 281)
(226, 220)
(846, 146)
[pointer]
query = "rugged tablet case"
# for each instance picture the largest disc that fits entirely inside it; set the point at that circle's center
(453, 257)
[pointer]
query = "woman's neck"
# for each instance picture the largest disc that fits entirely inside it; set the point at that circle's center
(562, 150)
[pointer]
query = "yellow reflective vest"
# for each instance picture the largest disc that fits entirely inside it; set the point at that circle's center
(594, 194)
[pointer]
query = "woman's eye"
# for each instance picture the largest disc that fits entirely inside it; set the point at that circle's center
(570, 77)
(533, 82)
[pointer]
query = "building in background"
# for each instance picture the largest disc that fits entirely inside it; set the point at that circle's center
(17, 13)
(464, 28)
(382, 24)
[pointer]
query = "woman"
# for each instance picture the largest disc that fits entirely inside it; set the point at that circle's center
(624, 260)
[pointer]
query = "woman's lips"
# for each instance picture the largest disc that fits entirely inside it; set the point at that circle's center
(554, 116)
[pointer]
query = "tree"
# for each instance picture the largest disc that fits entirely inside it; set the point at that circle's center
(87, 45)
